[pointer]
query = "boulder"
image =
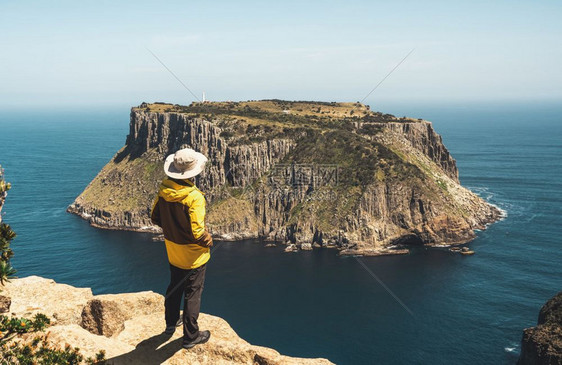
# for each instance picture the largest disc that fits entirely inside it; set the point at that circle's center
(106, 314)
(291, 248)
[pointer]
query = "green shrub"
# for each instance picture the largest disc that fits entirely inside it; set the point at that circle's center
(39, 350)
(9, 327)
(6, 236)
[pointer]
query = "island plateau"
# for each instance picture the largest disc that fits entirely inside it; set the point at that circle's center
(312, 174)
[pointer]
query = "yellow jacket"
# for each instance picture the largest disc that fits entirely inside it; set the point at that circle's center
(179, 209)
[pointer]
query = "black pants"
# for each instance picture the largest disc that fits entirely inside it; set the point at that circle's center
(189, 285)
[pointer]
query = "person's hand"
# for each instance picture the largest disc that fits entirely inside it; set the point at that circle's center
(206, 240)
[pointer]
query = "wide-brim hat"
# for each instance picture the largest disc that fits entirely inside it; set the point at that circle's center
(184, 164)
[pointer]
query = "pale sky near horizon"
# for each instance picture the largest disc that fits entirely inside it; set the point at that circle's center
(86, 52)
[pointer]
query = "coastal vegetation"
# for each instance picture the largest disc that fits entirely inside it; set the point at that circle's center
(6, 236)
(256, 121)
(17, 347)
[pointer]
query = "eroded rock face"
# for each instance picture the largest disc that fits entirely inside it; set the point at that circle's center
(423, 137)
(129, 328)
(542, 345)
(405, 185)
(5, 303)
(106, 314)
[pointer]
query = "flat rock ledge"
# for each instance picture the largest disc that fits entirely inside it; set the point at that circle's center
(129, 327)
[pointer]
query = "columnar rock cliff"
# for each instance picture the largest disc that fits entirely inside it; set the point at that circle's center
(304, 172)
(542, 345)
(129, 327)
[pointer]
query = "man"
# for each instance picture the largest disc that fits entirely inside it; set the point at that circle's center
(180, 210)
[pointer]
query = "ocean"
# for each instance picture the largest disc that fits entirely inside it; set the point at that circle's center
(464, 310)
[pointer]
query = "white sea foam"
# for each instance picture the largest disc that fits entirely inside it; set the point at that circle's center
(480, 191)
(509, 349)
(477, 189)
(503, 212)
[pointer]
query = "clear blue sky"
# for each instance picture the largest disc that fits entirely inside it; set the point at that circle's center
(94, 52)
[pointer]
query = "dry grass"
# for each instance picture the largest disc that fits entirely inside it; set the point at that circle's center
(333, 110)
(231, 211)
(125, 186)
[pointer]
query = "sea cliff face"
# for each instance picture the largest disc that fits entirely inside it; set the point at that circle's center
(128, 327)
(542, 345)
(329, 174)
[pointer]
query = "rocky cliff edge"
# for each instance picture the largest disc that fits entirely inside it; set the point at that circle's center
(128, 327)
(542, 344)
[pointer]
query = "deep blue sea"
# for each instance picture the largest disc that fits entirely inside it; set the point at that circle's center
(465, 310)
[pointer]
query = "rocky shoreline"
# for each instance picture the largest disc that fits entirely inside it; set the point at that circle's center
(374, 252)
(128, 327)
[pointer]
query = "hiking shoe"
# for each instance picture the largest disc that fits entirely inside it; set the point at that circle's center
(202, 338)
(171, 329)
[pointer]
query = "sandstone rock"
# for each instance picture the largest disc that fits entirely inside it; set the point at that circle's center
(135, 322)
(102, 318)
(34, 294)
(306, 246)
(224, 347)
(5, 303)
(106, 314)
(542, 345)
(88, 343)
